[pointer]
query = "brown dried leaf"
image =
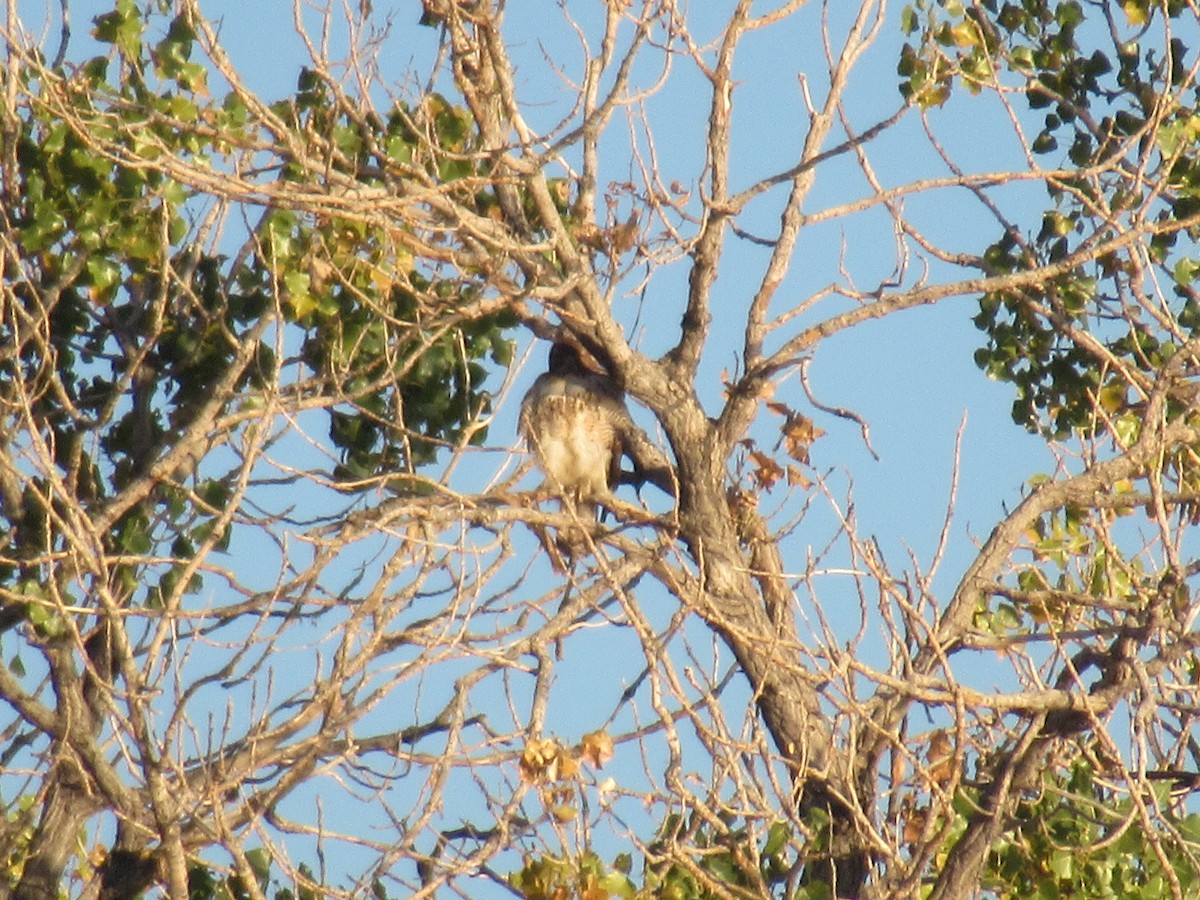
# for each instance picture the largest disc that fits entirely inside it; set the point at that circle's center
(596, 748)
(799, 432)
(796, 478)
(568, 765)
(942, 758)
(767, 472)
(589, 235)
(914, 825)
(623, 237)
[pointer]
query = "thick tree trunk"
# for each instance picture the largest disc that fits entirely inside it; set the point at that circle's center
(748, 614)
(69, 796)
(65, 809)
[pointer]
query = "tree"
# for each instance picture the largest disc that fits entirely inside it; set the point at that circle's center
(282, 614)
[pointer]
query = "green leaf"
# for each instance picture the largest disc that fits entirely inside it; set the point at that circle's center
(105, 276)
(617, 885)
(122, 27)
(259, 861)
(301, 302)
(48, 623)
(722, 868)
(777, 838)
(1186, 271)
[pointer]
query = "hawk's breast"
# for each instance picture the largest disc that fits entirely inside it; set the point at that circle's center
(572, 435)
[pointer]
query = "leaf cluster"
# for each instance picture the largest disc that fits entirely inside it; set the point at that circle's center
(1127, 119)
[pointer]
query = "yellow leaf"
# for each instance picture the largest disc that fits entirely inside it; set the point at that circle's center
(563, 812)
(965, 34)
(539, 761)
(1136, 11)
(1113, 397)
(382, 279)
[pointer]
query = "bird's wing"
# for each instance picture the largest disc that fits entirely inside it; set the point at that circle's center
(528, 403)
(650, 463)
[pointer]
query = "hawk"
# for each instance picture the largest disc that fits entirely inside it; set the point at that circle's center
(574, 420)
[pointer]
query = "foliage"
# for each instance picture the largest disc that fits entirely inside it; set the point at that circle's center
(204, 884)
(1073, 838)
(708, 867)
(1119, 129)
(1077, 840)
(137, 290)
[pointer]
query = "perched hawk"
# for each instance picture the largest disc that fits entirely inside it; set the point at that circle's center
(574, 419)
